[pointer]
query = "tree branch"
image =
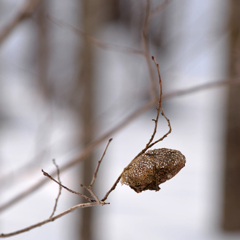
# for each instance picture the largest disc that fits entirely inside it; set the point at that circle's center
(149, 144)
(68, 189)
(146, 52)
(81, 205)
(59, 191)
(95, 41)
(158, 9)
(26, 12)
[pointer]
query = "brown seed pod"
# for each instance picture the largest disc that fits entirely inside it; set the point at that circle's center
(152, 168)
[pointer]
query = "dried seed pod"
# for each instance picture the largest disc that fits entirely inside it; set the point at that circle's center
(152, 168)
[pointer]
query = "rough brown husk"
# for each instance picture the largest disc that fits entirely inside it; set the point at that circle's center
(152, 168)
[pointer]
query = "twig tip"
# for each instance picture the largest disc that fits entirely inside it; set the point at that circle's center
(44, 173)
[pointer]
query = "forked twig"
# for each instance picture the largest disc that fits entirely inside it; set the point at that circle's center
(165, 135)
(150, 143)
(89, 188)
(28, 9)
(91, 203)
(159, 109)
(68, 189)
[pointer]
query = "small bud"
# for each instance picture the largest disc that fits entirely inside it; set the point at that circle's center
(152, 168)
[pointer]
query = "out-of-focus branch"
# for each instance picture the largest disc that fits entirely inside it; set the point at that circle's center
(110, 133)
(158, 9)
(28, 9)
(202, 87)
(95, 41)
(146, 52)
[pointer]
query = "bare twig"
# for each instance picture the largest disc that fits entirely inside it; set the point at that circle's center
(59, 191)
(81, 205)
(158, 109)
(68, 189)
(113, 187)
(146, 52)
(89, 189)
(149, 144)
(165, 135)
(28, 9)
(99, 162)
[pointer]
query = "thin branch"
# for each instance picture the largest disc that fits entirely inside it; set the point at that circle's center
(98, 165)
(59, 191)
(68, 189)
(149, 144)
(113, 187)
(146, 52)
(158, 109)
(158, 9)
(89, 189)
(81, 205)
(165, 135)
(26, 12)
(95, 41)
(202, 87)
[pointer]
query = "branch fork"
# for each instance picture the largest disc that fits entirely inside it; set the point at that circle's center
(94, 201)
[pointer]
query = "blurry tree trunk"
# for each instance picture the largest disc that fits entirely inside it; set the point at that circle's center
(42, 62)
(1, 99)
(86, 82)
(231, 198)
(89, 23)
(42, 50)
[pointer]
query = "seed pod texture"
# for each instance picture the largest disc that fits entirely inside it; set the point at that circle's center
(152, 168)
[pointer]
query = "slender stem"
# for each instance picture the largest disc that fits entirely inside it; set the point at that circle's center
(68, 189)
(112, 188)
(59, 191)
(81, 205)
(99, 162)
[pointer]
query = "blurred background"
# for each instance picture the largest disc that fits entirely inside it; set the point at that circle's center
(75, 73)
